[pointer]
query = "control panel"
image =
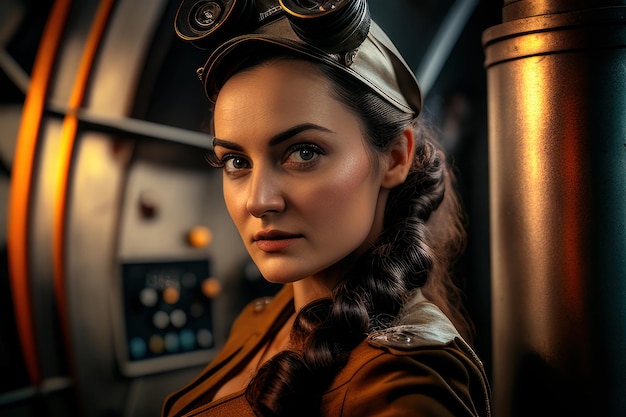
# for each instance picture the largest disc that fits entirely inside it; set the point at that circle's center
(167, 315)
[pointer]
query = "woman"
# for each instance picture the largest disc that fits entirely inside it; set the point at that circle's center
(338, 194)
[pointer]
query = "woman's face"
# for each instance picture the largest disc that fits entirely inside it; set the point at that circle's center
(299, 181)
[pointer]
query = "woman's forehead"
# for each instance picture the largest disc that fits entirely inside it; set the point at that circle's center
(279, 90)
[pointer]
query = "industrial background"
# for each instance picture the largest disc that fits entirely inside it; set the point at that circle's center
(120, 271)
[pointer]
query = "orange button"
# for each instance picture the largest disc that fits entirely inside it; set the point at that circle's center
(211, 287)
(200, 237)
(171, 295)
(156, 344)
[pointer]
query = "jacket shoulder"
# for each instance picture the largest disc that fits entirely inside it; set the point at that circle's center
(425, 325)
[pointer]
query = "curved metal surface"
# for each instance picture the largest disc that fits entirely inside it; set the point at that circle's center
(21, 184)
(64, 159)
(557, 129)
(99, 165)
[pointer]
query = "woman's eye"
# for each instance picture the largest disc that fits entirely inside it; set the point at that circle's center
(304, 154)
(233, 163)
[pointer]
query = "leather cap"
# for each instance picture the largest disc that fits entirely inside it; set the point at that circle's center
(376, 63)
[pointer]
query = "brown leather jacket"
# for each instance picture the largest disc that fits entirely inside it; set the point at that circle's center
(421, 368)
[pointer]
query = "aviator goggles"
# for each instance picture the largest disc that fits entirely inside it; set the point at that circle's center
(339, 33)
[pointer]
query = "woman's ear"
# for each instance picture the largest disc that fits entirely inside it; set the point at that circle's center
(399, 159)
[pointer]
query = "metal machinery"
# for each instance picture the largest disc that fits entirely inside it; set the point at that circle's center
(557, 157)
(113, 214)
(123, 270)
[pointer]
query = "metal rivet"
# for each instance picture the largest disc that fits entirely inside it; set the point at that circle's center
(260, 304)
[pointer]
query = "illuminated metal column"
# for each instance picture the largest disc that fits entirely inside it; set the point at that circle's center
(556, 73)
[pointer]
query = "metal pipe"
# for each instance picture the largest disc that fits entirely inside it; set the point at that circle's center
(556, 81)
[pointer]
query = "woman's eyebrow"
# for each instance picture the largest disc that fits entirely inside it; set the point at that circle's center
(226, 144)
(277, 139)
(289, 133)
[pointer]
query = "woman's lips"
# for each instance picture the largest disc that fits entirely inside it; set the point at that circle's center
(275, 245)
(274, 241)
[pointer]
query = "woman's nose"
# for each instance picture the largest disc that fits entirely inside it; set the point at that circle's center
(264, 194)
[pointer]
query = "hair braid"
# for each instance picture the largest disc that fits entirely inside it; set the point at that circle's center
(373, 294)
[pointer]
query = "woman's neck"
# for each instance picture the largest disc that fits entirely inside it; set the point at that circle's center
(309, 289)
(321, 284)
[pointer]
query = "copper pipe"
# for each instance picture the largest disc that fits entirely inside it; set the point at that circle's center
(556, 79)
